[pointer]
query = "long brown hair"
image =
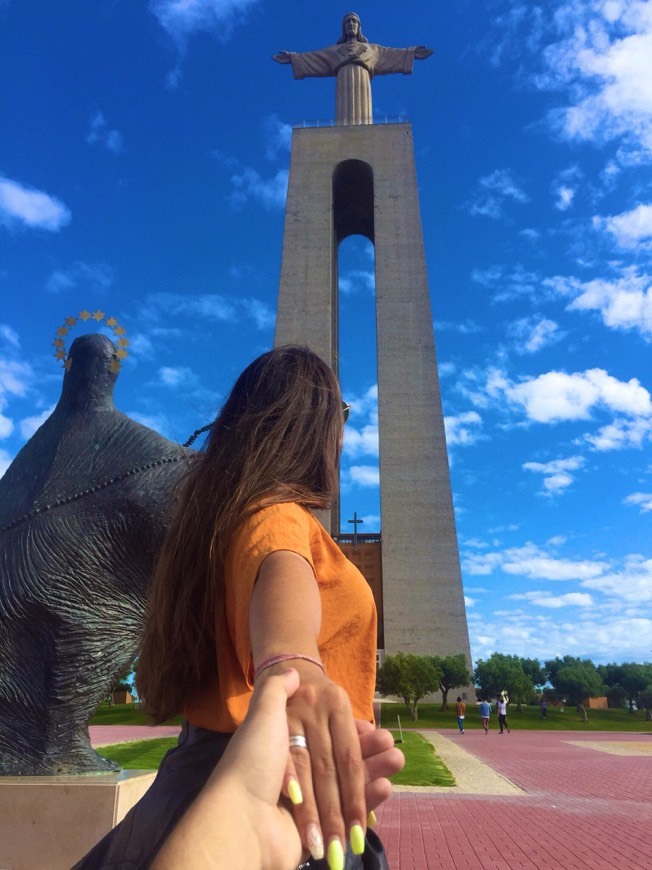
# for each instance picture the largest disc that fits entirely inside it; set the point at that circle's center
(277, 439)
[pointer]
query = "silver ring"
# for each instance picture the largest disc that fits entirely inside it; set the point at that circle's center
(299, 740)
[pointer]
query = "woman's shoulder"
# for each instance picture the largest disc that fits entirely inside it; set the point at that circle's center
(280, 517)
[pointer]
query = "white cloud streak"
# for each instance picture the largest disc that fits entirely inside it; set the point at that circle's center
(556, 473)
(182, 18)
(556, 396)
(26, 206)
(632, 229)
(249, 185)
(643, 500)
(100, 134)
(96, 277)
(624, 302)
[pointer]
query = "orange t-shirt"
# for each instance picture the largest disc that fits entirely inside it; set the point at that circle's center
(347, 638)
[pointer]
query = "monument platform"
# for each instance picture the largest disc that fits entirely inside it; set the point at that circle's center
(52, 821)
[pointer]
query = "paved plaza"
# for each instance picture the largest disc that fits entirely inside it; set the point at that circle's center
(569, 801)
(530, 800)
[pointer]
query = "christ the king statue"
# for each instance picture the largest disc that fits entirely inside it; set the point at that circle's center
(353, 61)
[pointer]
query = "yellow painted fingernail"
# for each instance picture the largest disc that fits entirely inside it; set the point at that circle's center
(371, 819)
(335, 856)
(294, 790)
(356, 838)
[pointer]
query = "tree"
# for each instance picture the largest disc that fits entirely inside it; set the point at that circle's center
(576, 680)
(454, 671)
(410, 677)
(631, 677)
(644, 702)
(502, 672)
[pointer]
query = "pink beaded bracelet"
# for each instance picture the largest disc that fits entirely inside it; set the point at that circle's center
(284, 657)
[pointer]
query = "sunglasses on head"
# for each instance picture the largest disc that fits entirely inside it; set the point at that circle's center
(346, 410)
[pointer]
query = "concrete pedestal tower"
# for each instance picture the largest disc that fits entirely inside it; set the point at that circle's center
(360, 178)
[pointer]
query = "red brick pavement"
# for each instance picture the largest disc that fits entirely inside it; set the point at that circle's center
(102, 735)
(581, 809)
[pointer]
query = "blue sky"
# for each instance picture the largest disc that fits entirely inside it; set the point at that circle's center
(143, 167)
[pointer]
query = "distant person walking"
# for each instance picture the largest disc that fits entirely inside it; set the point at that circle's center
(501, 707)
(485, 713)
(460, 712)
(544, 708)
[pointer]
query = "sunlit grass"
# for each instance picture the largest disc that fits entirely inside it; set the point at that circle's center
(139, 754)
(422, 764)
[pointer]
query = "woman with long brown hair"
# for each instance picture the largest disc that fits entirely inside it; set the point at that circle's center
(247, 582)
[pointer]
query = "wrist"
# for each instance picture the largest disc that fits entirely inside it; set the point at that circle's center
(279, 662)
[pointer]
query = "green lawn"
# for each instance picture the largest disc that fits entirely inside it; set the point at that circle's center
(124, 714)
(422, 765)
(139, 754)
(529, 719)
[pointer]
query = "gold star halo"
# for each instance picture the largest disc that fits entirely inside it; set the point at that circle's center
(119, 332)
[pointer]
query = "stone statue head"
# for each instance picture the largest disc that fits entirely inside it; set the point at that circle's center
(351, 29)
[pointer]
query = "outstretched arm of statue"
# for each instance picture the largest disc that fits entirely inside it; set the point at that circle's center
(282, 57)
(421, 52)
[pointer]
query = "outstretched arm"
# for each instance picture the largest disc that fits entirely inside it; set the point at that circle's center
(285, 617)
(237, 819)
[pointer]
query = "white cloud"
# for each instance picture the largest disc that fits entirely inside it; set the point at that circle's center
(141, 345)
(361, 442)
(496, 189)
(546, 599)
(534, 333)
(565, 196)
(6, 426)
(464, 327)
(364, 475)
(210, 306)
(462, 428)
(633, 583)
(631, 229)
(621, 434)
(177, 376)
(468, 601)
(278, 136)
(532, 562)
(29, 425)
(30, 207)
(508, 285)
(357, 280)
(15, 378)
(250, 185)
(100, 133)
(623, 303)
(604, 62)
(5, 461)
(556, 473)
(263, 316)
(642, 499)
(9, 336)
(556, 396)
(182, 18)
(362, 439)
(95, 277)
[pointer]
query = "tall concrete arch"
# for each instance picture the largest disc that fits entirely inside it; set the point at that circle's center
(362, 180)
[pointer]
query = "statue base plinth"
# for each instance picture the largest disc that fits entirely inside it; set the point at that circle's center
(52, 821)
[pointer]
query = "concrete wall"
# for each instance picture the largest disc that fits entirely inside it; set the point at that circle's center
(424, 609)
